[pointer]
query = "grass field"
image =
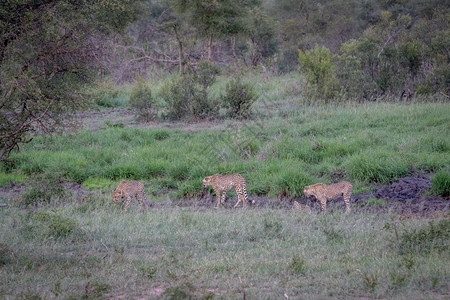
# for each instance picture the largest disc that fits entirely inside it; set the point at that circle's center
(365, 144)
(55, 245)
(91, 249)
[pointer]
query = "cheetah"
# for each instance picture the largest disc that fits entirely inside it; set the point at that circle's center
(324, 192)
(223, 183)
(128, 189)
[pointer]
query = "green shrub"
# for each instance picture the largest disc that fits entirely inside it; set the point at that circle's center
(160, 134)
(178, 171)
(187, 95)
(374, 202)
(142, 100)
(123, 170)
(238, 99)
(154, 168)
(106, 94)
(318, 68)
(7, 178)
(189, 188)
(440, 183)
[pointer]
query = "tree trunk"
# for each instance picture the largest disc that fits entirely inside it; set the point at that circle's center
(233, 51)
(210, 47)
(180, 50)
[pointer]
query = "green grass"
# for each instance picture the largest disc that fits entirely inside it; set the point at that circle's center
(92, 249)
(369, 143)
(6, 178)
(440, 183)
(54, 245)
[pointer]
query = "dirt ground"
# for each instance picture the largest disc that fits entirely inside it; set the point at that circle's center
(408, 195)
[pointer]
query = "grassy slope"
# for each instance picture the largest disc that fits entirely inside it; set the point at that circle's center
(73, 249)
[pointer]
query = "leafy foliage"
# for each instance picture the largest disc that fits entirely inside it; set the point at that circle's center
(58, 227)
(142, 100)
(317, 66)
(47, 53)
(239, 98)
(187, 95)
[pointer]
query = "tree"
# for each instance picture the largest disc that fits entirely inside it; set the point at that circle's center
(262, 35)
(216, 18)
(48, 50)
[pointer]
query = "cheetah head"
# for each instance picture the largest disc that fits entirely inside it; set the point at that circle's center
(117, 194)
(206, 181)
(308, 191)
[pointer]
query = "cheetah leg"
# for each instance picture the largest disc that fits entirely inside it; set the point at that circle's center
(127, 202)
(244, 200)
(140, 198)
(222, 198)
(218, 196)
(323, 203)
(347, 203)
(239, 193)
(244, 193)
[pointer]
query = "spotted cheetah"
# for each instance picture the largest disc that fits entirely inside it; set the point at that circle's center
(126, 190)
(223, 183)
(324, 192)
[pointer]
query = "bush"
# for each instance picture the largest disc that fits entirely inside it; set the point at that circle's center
(319, 70)
(298, 265)
(187, 96)
(106, 94)
(440, 183)
(238, 99)
(141, 99)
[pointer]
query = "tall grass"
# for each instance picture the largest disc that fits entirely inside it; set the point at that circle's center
(367, 144)
(92, 249)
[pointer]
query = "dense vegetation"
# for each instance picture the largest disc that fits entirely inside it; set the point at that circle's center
(359, 50)
(287, 93)
(349, 49)
(283, 148)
